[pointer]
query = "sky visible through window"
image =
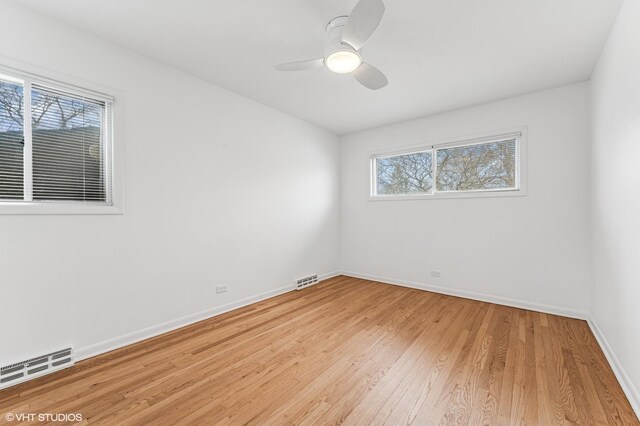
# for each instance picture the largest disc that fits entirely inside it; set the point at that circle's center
(405, 174)
(487, 166)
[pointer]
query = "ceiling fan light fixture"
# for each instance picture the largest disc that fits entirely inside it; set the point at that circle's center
(343, 61)
(346, 35)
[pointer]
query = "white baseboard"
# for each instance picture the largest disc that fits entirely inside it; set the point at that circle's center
(532, 306)
(146, 333)
(322, 277)
(137, 336)
(627, 385)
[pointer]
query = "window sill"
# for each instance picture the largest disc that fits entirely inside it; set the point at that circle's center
(450, 195)
(56, 208)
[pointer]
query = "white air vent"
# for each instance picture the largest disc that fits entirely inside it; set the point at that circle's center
(35, 367)
(306, 282)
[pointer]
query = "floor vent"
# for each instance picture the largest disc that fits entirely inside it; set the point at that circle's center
(35, 367)
(306, 282)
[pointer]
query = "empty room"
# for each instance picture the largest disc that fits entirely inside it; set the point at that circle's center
(320, 212)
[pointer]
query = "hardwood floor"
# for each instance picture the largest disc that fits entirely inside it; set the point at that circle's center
(346, 350)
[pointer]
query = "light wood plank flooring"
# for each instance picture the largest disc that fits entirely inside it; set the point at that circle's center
(346, 351)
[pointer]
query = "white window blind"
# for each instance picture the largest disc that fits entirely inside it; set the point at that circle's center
(11, 141)
(68, 160)
(63, 155)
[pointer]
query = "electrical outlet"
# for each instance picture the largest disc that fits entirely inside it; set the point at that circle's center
(435, 274)
(221, 288)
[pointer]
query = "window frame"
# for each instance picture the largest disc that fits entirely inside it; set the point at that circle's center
(28, 75)
(519, 134)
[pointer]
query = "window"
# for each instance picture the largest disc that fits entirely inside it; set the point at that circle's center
(487, 166)
(473, 167)
(404, 174)
(55, 143)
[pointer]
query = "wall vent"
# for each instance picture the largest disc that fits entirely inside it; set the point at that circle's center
(35, 367)
(306, 282)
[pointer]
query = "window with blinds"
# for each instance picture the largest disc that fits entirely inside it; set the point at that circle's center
(11, 141)
(62, 153)
(476, 166)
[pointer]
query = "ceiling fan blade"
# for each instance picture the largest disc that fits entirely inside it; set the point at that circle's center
(362, 23)
(301, 65)
(370, 77)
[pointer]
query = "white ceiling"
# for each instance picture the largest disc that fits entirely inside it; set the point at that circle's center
(438, 54)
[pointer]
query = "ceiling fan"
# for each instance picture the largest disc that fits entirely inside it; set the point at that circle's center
(347, 35)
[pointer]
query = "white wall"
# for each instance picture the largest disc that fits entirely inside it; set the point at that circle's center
(531, 250)
(218, 189)
(615, 202)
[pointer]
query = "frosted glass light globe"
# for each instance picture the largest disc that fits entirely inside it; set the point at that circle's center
(343, 61)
